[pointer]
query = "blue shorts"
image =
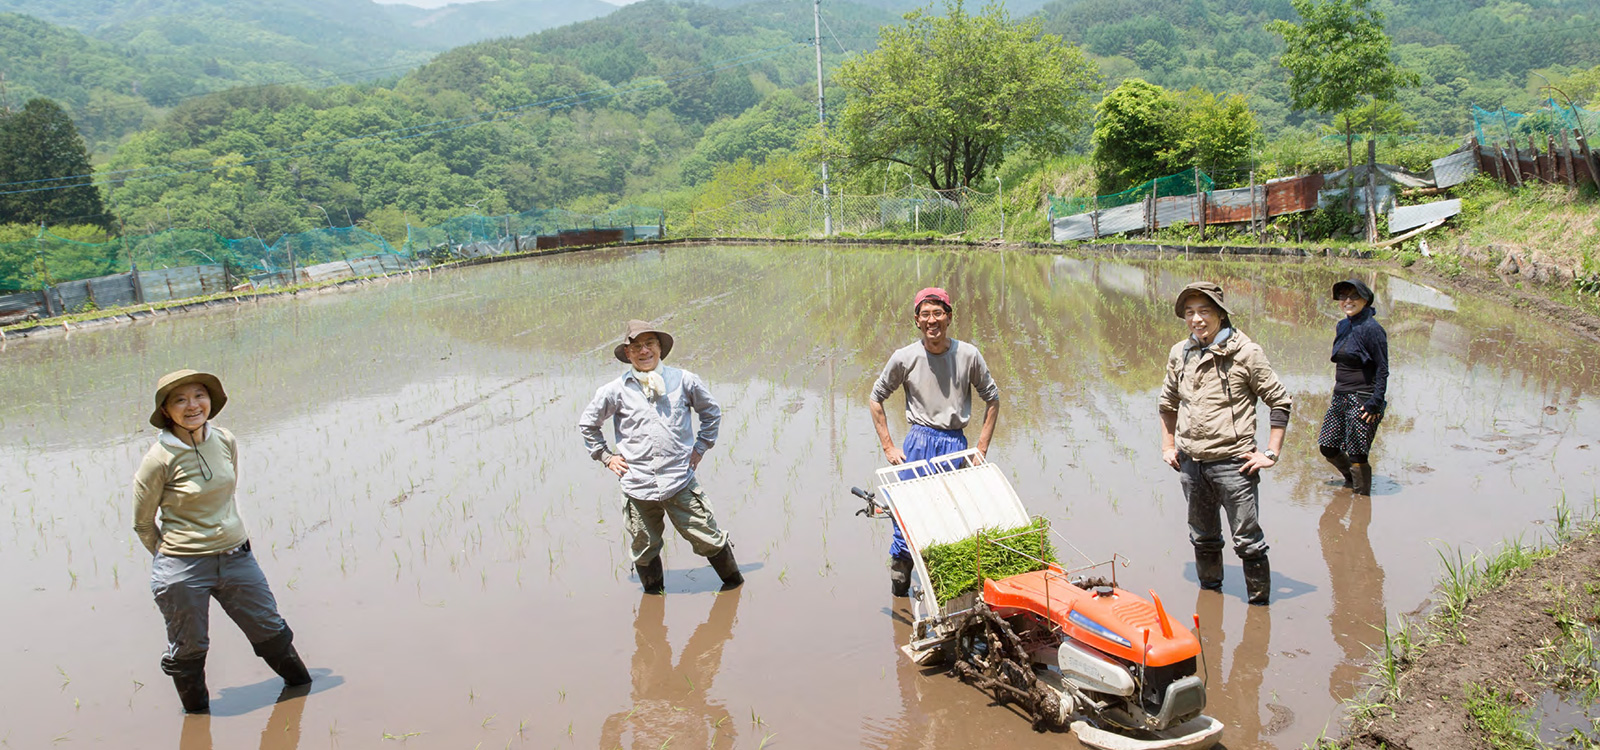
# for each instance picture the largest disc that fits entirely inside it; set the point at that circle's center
(923, 443)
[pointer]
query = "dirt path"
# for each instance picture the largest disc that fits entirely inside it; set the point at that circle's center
(1476, 684)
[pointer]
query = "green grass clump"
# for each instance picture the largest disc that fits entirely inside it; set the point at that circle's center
(954, 567)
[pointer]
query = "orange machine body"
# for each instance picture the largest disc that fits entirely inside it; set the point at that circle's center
(1117, 624)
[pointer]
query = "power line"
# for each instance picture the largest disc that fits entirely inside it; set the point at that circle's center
(564, 102)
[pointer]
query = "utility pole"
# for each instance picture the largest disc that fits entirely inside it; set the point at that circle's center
(5, 97)
(822, 114)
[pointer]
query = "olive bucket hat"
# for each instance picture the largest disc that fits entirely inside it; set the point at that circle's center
(637, 328)
(1207, 288)
(170, 382)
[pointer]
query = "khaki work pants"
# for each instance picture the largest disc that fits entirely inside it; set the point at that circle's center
(690, 513)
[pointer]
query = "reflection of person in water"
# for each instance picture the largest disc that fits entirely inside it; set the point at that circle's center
(670, 703)
(1360, 386)
(282, 731)
(1236, 700)
(1357, 584)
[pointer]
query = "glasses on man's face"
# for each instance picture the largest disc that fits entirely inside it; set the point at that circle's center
(1344, 296)
(935, 314)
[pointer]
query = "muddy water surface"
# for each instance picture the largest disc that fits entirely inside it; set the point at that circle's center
(454, 566)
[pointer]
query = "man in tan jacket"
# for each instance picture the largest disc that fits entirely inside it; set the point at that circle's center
(1208, 433)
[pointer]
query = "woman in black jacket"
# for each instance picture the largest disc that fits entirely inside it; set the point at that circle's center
(1361, 379)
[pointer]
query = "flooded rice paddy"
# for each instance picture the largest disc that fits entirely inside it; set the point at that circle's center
(453, 563)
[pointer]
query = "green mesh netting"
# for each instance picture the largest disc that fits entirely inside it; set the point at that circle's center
(1182, 183)
(46, 259)
(1553, 118)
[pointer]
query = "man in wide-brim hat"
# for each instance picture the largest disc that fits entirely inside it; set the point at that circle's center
(656, 453)
(1208, 433)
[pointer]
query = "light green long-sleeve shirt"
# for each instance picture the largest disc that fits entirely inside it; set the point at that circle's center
(196, 515)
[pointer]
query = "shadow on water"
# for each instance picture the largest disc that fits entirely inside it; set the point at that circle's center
(1284, 585)
(699, 580)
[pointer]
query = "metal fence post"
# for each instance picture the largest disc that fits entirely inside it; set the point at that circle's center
(1372, 190)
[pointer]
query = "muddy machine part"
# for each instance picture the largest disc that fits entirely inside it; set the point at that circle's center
(1070, 650)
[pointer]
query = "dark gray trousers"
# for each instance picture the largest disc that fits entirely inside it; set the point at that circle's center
(1215, 487)
(184, 588)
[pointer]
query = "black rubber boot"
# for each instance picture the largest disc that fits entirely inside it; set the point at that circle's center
(279, 653)
(900, 576)
(1363, 478)
(189, 677)
(1341, 462)
(651, 577)
(1208, 568)
(727, 568)
(1258, 580)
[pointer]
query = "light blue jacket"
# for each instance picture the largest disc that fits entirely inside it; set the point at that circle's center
(655, 436)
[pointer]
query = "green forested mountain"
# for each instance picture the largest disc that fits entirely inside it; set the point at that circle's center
(112, 63)
(647, 103)
(575, 116)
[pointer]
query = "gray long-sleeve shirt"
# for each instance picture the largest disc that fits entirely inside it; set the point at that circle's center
(938, 386)
(655, 436)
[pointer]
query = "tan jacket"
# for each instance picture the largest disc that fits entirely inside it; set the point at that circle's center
(1214, 390)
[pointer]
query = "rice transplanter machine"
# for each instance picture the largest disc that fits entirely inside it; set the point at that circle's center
(1069, 647)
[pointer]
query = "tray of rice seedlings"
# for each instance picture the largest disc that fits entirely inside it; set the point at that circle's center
(959, 568)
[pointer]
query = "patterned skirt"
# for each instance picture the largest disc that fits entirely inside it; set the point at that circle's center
(1343, 427)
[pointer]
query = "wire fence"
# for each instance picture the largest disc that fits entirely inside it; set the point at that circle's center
(49, 275)
(910, 209)
(47, 259)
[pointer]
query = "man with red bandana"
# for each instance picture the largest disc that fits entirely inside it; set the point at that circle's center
(939, 375)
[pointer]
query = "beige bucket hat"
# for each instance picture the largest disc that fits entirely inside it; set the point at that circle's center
(172, 380)
(1207, 288)
(637, 328)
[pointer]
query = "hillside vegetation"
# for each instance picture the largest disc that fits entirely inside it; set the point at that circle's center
(674, 105)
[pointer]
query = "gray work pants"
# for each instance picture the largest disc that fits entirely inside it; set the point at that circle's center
(1212, 487)
(690, 514)
(184, 588)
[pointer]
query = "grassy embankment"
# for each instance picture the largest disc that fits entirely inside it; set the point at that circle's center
(1509, 637)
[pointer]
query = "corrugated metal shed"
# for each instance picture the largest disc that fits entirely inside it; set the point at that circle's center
(1292, 195)
(1230, 206)
(178, 283)
(1454, 169)
(1336, 197)
(1410, 217)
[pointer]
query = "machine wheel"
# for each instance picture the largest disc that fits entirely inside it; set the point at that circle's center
(990, 656)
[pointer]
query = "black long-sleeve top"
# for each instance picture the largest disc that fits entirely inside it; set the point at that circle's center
(1361, 356)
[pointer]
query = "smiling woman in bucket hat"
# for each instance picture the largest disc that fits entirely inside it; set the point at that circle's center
(184, 514)
(657, 453)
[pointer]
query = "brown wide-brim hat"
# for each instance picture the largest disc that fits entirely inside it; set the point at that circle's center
(170, 381)
(1209, 289)
(637, 328)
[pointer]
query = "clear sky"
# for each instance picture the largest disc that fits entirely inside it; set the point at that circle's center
(440, 3)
